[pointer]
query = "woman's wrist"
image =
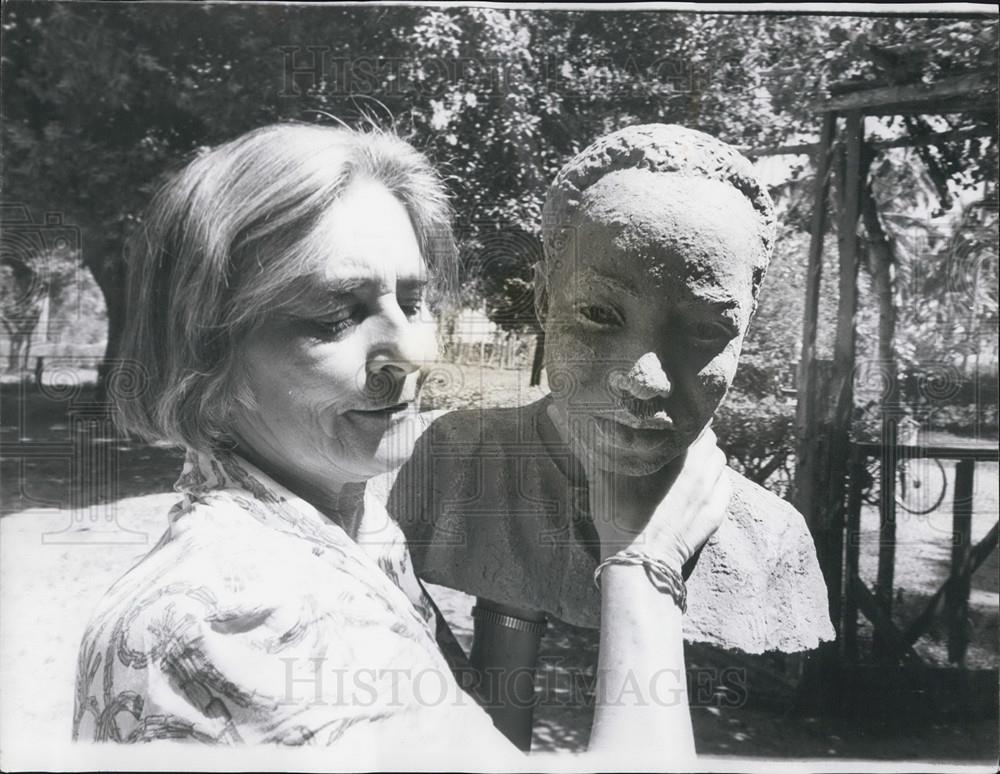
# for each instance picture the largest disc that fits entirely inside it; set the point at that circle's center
(661, 575)
(629, 586)
(641, 693)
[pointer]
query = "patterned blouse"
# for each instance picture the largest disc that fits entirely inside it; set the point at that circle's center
(256, 619)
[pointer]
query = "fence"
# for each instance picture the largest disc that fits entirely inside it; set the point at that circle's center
(505, 350)
(890, 642)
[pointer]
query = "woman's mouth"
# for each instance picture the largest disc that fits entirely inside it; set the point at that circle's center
(382, 411)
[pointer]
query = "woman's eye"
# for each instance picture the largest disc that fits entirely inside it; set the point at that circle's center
(600, 315)
(339, 322)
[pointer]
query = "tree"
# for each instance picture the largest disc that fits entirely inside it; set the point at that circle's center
(101, 100)
(34, 279)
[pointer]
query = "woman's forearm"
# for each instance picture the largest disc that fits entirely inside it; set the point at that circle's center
(642, 702)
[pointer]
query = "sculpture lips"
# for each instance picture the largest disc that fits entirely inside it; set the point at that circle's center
(645, 436)
(658, 420)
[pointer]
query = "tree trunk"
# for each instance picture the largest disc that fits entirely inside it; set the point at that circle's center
(115, 303)
(14, 353)
(110, 277)
(26, 354)
(539, 360)
(881, 265)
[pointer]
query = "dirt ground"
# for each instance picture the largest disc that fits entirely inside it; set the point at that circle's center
(60, 548)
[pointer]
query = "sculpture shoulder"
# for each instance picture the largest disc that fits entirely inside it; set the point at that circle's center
(762, 511)
(444, 451)
(761, 532)
(757, 585)
(486, 427)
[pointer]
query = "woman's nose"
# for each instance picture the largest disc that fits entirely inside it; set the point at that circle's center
(646, 379)
(399, 347)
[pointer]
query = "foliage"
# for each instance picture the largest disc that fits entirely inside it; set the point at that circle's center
(946, 284)
(960, 420)
(941, 290)
(757, 435)
(775, 334)
(100, 100)
(502, 268)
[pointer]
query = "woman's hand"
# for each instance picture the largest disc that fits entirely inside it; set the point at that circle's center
(642, 703)
(668, 515)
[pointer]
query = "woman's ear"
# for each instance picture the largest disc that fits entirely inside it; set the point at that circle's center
(541, 292)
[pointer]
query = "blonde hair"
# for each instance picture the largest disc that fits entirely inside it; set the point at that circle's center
(225, 241)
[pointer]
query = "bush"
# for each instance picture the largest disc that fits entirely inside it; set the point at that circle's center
(758, 436)
(968, 420)
(758, 378)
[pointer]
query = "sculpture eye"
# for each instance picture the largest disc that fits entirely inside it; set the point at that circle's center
(411, 309)
(599, 315)
(710, 334)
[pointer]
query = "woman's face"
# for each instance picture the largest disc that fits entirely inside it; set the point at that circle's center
(647, 307)
(335, 371)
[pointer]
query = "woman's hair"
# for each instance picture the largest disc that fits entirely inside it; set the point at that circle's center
(226, 241)
(657, 148)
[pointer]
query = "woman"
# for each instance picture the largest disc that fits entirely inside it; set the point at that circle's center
(277, 326)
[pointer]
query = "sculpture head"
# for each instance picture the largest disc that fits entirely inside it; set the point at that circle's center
(656, 242)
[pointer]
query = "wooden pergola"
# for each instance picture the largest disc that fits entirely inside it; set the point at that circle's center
(827, 488)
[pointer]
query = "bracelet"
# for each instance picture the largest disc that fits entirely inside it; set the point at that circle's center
(509, 621)
(664, 578)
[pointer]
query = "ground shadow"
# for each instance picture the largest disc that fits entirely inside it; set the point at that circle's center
(50, 437)
(750, 706)
(59, 449)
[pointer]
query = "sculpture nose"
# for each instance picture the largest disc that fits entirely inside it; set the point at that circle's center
(645, 380)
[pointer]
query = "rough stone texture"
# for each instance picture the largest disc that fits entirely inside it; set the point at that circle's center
(493, 503)
(492, 508)
(658, 148)
(645, 380)
(757, 585)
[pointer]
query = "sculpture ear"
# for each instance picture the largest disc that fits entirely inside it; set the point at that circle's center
(541, 292)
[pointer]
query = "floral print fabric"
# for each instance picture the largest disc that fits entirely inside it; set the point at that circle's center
(256, 619)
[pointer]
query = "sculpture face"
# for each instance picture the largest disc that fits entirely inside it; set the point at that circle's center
(647, 305)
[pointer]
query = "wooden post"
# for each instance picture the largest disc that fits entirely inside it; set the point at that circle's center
(957, 597)
(977, 556)
(837, 425)
(824, 411)
(885, 574)
(808, 465)
(852, 551)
